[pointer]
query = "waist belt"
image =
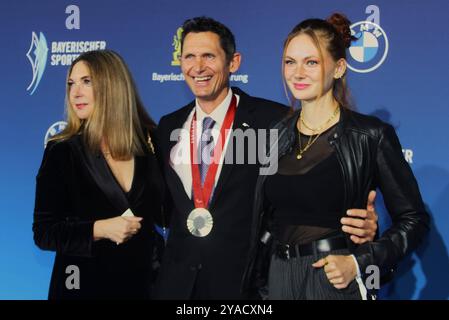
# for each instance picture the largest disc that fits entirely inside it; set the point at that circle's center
(286, 252)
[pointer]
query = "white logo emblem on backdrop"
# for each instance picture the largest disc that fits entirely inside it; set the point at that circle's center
(54, 129)
(37, 55)
(60, 53)
(370, 50)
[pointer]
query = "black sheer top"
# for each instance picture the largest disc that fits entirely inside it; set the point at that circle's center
(306, 195)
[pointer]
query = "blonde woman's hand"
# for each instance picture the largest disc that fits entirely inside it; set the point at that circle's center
(118, 229)
(340, 270)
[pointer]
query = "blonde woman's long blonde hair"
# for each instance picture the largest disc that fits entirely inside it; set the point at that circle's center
(118, 119)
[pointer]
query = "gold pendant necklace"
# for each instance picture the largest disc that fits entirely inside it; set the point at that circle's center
(311, 138)
(307, 146)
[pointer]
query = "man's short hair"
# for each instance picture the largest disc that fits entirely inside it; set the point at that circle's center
(206, 24)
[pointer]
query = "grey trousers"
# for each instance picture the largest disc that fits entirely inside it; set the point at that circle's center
(296, 279)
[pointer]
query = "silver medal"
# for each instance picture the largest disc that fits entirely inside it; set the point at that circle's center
(200, 222)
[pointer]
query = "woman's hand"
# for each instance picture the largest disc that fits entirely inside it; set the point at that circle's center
(340, 270)
(363, 226)
(118, 229)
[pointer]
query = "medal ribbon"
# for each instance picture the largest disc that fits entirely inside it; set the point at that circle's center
(201, 194)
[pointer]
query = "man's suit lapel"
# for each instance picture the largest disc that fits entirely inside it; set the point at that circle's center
(173, 180)
(243, 120)
(177, 190)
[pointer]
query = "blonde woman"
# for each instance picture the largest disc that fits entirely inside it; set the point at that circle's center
(99, 189)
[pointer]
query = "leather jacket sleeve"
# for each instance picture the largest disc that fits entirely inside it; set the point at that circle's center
(410, 221)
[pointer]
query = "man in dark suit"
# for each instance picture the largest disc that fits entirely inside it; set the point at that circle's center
(210, 226)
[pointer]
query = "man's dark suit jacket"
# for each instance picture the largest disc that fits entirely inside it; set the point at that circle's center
(212, 267)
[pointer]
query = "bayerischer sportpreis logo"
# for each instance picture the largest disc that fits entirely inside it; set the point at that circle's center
(176, 62)
(55, 53)
(370, 50)
(37, 55)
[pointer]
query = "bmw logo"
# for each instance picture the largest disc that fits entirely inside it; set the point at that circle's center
(54, 129)
(370, 50)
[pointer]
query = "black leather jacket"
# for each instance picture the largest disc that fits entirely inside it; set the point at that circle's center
(371, 157)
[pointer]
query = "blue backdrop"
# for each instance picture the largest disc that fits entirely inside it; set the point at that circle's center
(398, 73)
